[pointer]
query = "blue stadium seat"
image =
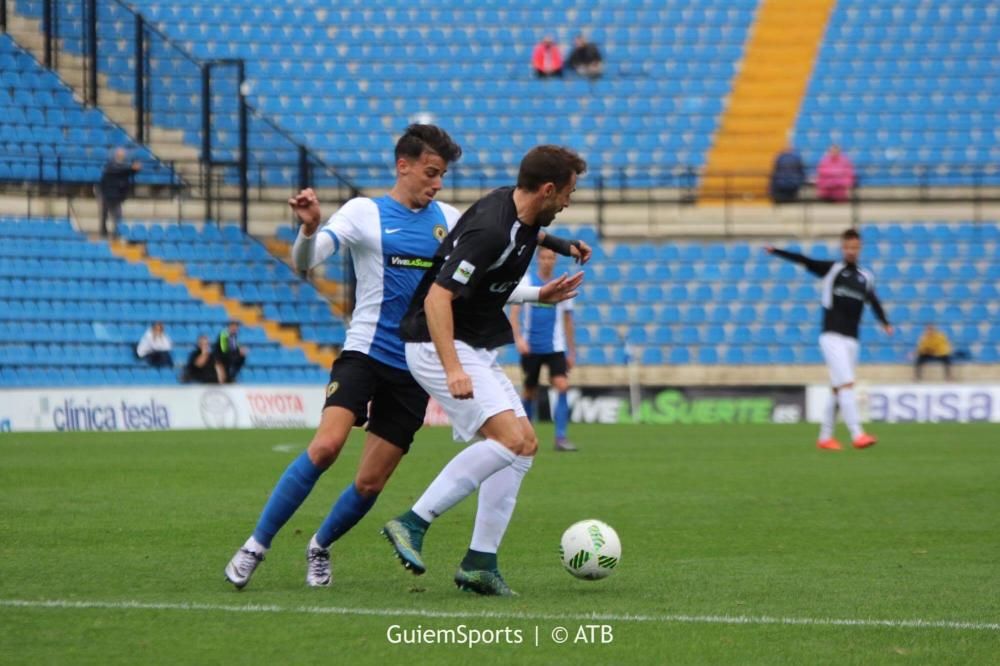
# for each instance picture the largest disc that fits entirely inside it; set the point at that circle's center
(652, 356)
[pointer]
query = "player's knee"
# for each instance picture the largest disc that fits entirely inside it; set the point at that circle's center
(530, 392)
(560, 383)
(324, 449)
(369, 485)
(516, 442)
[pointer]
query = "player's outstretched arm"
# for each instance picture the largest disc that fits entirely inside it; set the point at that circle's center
(555, 291)
(561, 289)
(817, 267)
(577, 249)
(441, 326)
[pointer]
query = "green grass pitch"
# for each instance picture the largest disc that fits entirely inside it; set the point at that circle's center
(728, 534)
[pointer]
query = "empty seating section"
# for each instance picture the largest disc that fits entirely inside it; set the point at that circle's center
(347, 76)
(730, 303)
(247, 272)
(71, 313)
(896, 84)
(908, 82)
(46, 135)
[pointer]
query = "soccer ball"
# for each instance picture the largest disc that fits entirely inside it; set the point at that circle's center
(590, 549)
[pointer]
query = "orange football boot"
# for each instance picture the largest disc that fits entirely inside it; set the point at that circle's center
(864, 441)
(830, 444)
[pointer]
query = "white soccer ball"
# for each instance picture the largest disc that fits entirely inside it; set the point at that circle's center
(590, 549)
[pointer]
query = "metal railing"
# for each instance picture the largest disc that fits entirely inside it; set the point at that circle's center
(273, 180)
(172, 89)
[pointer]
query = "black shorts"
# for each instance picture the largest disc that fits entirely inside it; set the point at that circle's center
(532, 364)
(398, 404)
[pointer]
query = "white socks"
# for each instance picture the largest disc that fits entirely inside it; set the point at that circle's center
(497, 498)
(849, 409)
(255, 546)
(461, 476)
(829, 418)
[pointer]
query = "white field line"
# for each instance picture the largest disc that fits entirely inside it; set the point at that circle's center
(958, 625)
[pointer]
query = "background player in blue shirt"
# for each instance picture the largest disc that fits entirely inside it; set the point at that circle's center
(544, 335)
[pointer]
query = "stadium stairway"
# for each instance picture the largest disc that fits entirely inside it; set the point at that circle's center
(767, 94)
(211, 294)
(168, 145)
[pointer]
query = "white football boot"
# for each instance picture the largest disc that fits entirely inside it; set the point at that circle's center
(317, 565)
(242, 566)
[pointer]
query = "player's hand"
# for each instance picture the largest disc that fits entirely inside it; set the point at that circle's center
(305, 205)
(889, 330)
(459, 384)
(580, 252)
(769, 249)
(561, 289)
(570, 360)
(522, 346)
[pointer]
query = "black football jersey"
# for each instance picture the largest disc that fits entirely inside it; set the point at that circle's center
(482, 260)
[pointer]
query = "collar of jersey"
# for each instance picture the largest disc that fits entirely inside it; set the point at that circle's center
(389, 199)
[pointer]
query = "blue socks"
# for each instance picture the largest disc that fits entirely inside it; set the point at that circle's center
(292, 489)
(529, 408)
(350, 507)
(562, 416)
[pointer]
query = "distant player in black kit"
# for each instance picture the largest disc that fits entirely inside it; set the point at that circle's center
(452, 330)
(846, 289)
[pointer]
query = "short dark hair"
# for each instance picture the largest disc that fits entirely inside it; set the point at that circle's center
(850, 234)
(549, 164)
(419, 139)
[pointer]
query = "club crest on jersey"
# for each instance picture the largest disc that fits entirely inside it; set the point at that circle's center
(331, 388)
(440, 232)
(464, 272)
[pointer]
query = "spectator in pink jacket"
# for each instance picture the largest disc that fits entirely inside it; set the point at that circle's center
(547, 59)
(835, 176)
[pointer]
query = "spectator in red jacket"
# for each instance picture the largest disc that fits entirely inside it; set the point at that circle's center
(547, 59)
(835, 176)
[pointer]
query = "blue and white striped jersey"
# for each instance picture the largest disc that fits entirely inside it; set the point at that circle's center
(391, 247)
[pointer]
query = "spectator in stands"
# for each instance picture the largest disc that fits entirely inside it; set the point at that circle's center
(933, 347)
(835, 176)
(585, 58)
(155, 347)
(547, 59)
(113, 188)
(788, 176)
(201, 367)
(229, 356)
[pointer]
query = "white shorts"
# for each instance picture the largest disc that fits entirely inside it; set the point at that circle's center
(492, 390)
(841, 355)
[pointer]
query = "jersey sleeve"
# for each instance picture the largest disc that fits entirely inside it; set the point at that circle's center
(352, 223)
(874, 301)
(818, 267)
(524, 292)
(451, 215)
(476, 249)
